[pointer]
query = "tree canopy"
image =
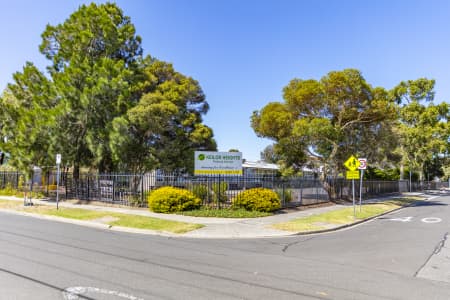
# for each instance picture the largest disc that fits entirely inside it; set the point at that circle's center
(422, 126)
(328, 120)
(103, 106)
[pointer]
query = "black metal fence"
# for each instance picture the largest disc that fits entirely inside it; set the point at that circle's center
(133, 189)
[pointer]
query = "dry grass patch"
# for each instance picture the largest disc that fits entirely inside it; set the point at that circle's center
(113, 219)
(342, 216)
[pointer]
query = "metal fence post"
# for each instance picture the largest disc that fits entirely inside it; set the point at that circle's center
(88, 187)
(113, 187)
(142, 188)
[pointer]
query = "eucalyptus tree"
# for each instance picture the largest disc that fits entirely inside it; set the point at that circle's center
(329, 119)
(422, 127)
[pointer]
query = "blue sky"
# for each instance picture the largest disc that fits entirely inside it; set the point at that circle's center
(244, 52)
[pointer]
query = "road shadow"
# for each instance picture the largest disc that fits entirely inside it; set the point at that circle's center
(440, 192)
(427, 203)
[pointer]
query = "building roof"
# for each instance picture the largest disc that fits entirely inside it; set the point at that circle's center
(260, 165)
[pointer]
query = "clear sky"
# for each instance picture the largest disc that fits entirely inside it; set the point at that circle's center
(243, 52)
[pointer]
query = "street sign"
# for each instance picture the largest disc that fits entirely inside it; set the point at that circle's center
(58, 159)
(362, 163)
(352, 163)
(352, 174)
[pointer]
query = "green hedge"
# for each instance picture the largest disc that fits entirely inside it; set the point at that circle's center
(257, 199)
(169, 199)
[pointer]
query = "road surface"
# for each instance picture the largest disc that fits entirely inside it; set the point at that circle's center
(404, 255)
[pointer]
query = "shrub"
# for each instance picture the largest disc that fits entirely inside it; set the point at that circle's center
(201, 191)
(257, 199)
(8, 190)
(169, 199)
(286, 194)
(219, 191)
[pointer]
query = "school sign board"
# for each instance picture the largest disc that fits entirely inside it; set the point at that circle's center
(218, 163)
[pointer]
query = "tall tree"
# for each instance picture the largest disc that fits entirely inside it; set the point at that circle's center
(104, 105)
(29, 107)
(423, 128)
(93, 54)
(328, 119)
(165, 127)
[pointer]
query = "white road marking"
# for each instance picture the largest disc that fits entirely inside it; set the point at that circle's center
(431, 220)
(405, 219)
(73, 293)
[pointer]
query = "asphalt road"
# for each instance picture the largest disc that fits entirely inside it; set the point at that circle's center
(399, 256)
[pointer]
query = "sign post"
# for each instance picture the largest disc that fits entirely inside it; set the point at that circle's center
(362, 167)
(58, 163)
(221, 164)
(352, 165)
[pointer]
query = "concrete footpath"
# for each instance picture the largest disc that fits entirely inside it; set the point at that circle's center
(214, 227)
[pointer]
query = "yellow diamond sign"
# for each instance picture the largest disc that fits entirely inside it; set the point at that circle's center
(352, 163)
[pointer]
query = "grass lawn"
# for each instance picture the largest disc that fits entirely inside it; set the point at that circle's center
(224, 213)
(10, 204)
(342, 216)
(113, 219)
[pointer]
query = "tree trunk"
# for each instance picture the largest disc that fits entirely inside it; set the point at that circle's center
(329, 185)
(402, 172)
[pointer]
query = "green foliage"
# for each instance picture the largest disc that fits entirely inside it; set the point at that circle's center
(93, 55)
(372, 173)
(201, 191)
(330, 119)
(213, 193)
(26, 116)
(423, 128)
(165, 126)
(269, 155)
(219, 191)
(21, 182)
(284, 194)
(7, 168)
(10, 191)
(224, 213)
(104, 105)
(138, 201)
(170, 199)
(257, 199)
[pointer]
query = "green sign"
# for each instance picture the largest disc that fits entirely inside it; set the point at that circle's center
(218, 163)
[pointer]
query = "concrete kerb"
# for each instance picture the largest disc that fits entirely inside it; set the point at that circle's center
(91, 224)
(255, 227)
(354, 224)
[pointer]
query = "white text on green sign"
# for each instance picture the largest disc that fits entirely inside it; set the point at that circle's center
(212, 163)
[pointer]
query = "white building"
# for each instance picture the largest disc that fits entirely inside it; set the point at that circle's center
(259, 168)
